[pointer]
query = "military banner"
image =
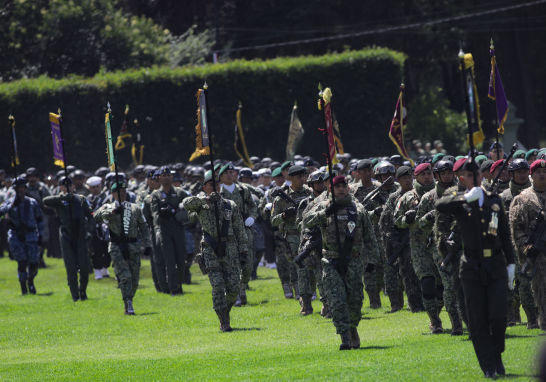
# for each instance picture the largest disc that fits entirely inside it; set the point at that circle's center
(337, 135)
(399, 122)
(124, 132)
(240, 145)
(58, 153)
(15, 154)
(474, 105)
(109, 140)
(326, 97)
(295, 135)
(137, 145)
(201, 129)
(496, 91)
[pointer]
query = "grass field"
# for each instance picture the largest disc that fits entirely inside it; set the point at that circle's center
(49, 337)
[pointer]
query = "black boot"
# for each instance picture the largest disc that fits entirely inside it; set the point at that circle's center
(224, 320)
(24, 289)
(31, 287)
(187, 275)
(500, 366)
(254, 274)
(83, 295)
(532, 321)
(456, 325)
(435, 322)
(345, 340)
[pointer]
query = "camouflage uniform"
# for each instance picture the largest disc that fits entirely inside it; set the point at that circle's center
(289, 229)
(522, 292)
(449, 295)
(170, 236)
(223, 272)
(390, 233)
(73, 243)
(344, 290)
(523, 211)
(127, 270)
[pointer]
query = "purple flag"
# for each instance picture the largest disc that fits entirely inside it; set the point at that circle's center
(57, 139)
(496, 92)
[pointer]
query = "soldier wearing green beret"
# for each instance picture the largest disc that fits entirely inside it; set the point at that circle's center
(531, 156)
(438, 157)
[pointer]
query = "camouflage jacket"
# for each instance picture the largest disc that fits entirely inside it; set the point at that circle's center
(445, 223)
(523, 212)
(509, 194)
(30, 214)
(426, 205)
(136, 223)
(409, 201)
(364, 235)
(206, 215)
(386, 220)
(359, 192)
(289, 225)
(243, 199)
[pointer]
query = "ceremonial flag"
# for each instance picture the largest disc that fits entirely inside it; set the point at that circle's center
(57, 139)
(474, 104)
(109, 141)
(15, 151)
(295, 134)
(496, 91)
(137, 145)
(326, 97)
(337, 135)
(201, 129)
(124, 132)
(399, 122)
(240, 145)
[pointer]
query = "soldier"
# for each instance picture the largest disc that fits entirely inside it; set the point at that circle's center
(484, 272)
(531, 156)
(421, 245)
(125, 249)
(99, 245)
(504, 179)
(284, 170)
(242, 197)
(169, 233)
(485, 169)
(25, 234)
(283, 215)
(139, 176)
(79, 182)
(220, 262)
(342, 267)
(38, 191)
(426, 215)
(75, 230)
(393, 237)
(493, 152)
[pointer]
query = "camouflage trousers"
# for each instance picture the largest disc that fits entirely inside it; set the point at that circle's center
(307, 281)
(539, 289)
(320, 283)
(411, 282)
(422, 258)
(522, 292)
(224, 276)
(287, 270)
(127, 271)
(374, 281)
(345, 294)
(449, 293)
(246, 270)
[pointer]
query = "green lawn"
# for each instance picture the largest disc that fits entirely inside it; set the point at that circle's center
(49, 337)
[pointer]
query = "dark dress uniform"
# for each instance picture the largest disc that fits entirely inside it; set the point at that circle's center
(486, 304)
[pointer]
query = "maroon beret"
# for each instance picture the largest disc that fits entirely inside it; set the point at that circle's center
(495, 165)
(536, 164)
(457, 166)
(339, 179)
(422, 167)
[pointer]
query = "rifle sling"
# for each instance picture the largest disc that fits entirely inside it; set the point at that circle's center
(220, 252)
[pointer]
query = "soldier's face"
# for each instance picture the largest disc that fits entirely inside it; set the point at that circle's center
(531, 159)
(299, 180)
(166, 179)
(265, 180)
(520, 176)
(63, 188)
(425, 178)
(539, 178)
(32, 180)
(406, 182)
(504, 177)
(445, 176)
(95, 190)
(228, 177)
(207, 187)
(21, 190)
(365, 174)
(122, 193)
(279, 180)
(467, 178)
(341, 190)
(318, 185)
(176, 183)
(384, 177)
(245, 179)
(78, 181)
(493, 154)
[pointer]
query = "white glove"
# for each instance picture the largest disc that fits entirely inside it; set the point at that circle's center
(511, 268)
(249, 222)
(268, 206)
(474, 194)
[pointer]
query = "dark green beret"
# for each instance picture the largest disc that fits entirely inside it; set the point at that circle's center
(480, 159)
(375, 161)
(437, 157)
(364, 163)
(114, 187)
(531, 153)
(276, 172)
(460, 157)
(519, 154)
(217, 166)
(285, 165)
(296, 170)
(403, 170)
(228, 166)
(486, 165)
(208, 177)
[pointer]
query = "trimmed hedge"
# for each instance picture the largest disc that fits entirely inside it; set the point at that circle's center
(364, 84)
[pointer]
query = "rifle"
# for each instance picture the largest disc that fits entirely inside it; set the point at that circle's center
(449, 258)
(538, 241)
(510, 155)
(279, 192)
(404, 240)
(314, 241)
(371, 195)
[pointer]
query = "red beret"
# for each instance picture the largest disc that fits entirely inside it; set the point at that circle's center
(495, 165)
(457, 166)
(339, 179)
(536, 164)
(422, 167)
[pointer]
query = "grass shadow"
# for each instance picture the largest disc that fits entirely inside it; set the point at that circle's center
(513, 376)
(258, 303)
(374, 347)
(147, 314)
(370, 318)
(245, 329)
(265, 278)
(518, 336)
(44, 294)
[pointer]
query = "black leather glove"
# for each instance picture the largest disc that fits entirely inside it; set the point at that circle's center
(430, 215)
(289, 211)
(410, 216)
(147, 251)
(369, 268)
(243, 258)
(377, 212)
(213, 198)
(332, 209)
(452, 246)
(40, 238)
(396, 246)
(118, 210)
(532, 252)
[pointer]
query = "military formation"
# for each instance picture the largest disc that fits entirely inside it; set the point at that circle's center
(464, 234)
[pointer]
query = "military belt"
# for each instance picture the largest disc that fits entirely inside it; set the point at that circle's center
(328, 254)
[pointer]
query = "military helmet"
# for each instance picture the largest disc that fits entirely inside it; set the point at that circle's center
(442, 165)
(32, 172)
(384, 168)
(78, 174)
(518, 164)
(138, 169)
(19, 182)
(316, 175)
(245, 172)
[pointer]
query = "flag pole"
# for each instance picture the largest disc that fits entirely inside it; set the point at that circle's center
(14, 152)
(492, 47)
(205, 90)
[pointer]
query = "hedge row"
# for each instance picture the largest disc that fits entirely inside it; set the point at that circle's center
(364, 85)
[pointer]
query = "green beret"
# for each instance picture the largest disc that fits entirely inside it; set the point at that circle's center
(437, 157)
(276, 172)
(208, 177)
(460, 157)
(531, 153)
(519, 154)
(375, 161)
(228, 166)
(480, 159)
(114, 187)
(364, 163)
(286, 164)
(296, 170)
(486, 165)
(217, 166)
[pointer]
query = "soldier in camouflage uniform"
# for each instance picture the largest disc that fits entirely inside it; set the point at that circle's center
(124, 248)
(421, 245)
(519, 170)
(485, 169)
(342, 267)
(283, 214)
(25, 234)
(77, 225)
(504, 180)
(232, 190)
(392, 236)
(426, 215)
(221, 264)
(523, 212)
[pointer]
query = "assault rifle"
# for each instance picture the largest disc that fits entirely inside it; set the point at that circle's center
(371, 195)
(314, 242)
(449, 258)
(404, 241)
(537, 240)
(505, 163)
(279, 192)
